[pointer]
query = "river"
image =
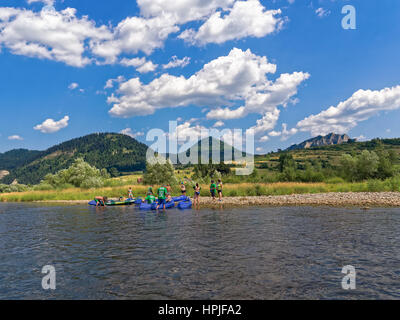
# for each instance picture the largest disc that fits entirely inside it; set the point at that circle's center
(244, 253)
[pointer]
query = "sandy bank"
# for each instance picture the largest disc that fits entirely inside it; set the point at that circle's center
(365, 199)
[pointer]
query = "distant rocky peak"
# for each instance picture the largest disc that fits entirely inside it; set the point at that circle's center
(320, 141)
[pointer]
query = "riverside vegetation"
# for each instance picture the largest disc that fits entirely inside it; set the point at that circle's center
(367, 171)
(107, 164)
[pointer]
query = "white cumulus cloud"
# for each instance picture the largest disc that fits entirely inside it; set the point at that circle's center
(51, 126)
(236, 78)
(135, 34)
(15, 137)
(361, 106)
(130, 133)
(182, 11)
(65, 37)
(321, 12)
(246, 19)
(141, 64)
(110, 82)
(47, 2)
(175, 62)
(219, 124)
(49, 34)
(73, 86)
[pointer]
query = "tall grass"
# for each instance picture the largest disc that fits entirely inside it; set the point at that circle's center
(230, 190)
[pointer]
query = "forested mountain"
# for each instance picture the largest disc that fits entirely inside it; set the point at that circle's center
(114, 152)
(17, 158)
(215, 147)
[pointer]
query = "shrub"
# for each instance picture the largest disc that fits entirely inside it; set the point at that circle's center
(158, 173)
(78, 174)
(233, 193)
(375, 185)
(288, 174)
(92, 182)
(5, 188)
(394, 183)
(367, 165)
(43, 187)
(258, 190)
(250, 192)
(334, 180)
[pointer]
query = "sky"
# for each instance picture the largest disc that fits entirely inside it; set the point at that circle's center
(286, 69)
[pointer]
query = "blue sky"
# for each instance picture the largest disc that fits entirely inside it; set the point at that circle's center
(55, 63)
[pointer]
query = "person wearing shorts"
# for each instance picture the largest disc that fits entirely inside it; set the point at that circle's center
(183, 189)
(197, 194)
(101, 201)
(219, 189)
(130, 193)
(213, 187)
(162, 195)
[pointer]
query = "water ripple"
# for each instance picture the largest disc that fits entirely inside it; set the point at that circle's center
(253, 253)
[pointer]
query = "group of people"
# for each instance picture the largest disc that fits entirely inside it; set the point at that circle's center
(164, 192)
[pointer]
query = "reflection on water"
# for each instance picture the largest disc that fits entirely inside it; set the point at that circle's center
(252, 253)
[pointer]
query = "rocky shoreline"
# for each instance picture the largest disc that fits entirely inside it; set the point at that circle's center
(364, 200)
(348, 199)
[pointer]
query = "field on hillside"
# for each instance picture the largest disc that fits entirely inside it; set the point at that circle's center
(329, 155)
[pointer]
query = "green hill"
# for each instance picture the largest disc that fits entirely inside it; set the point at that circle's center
(329, 156)
(215, 147)
(114, 152)
(17, 158)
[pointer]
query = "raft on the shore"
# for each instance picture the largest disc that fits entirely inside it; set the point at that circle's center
(185, 205)
(153, 206)
(180, 198)
(112, 203)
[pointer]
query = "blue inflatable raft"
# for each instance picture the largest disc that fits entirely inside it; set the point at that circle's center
(185, 205)
(145, 206)
(168, 205)
(180, 198)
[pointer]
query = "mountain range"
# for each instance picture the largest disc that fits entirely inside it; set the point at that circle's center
(117, 153)
(320, 141)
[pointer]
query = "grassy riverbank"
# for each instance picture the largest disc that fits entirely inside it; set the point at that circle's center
(230, 190)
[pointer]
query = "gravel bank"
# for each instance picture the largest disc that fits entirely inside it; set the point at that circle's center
(365, 200)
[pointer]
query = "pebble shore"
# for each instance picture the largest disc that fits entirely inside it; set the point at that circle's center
(348, 199)
(364, 200)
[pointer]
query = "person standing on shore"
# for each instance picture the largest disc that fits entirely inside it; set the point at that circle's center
(219, 189)
(162, 194)
(197, 194)
(130, 193)
(150, 190)
(213, 187)
(183, 189)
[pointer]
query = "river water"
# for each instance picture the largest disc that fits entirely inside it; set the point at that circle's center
(247, 253)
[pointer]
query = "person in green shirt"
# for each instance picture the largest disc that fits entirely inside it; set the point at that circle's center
(162, 194)
(150, 190)
(213, 187)
(150, 198)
